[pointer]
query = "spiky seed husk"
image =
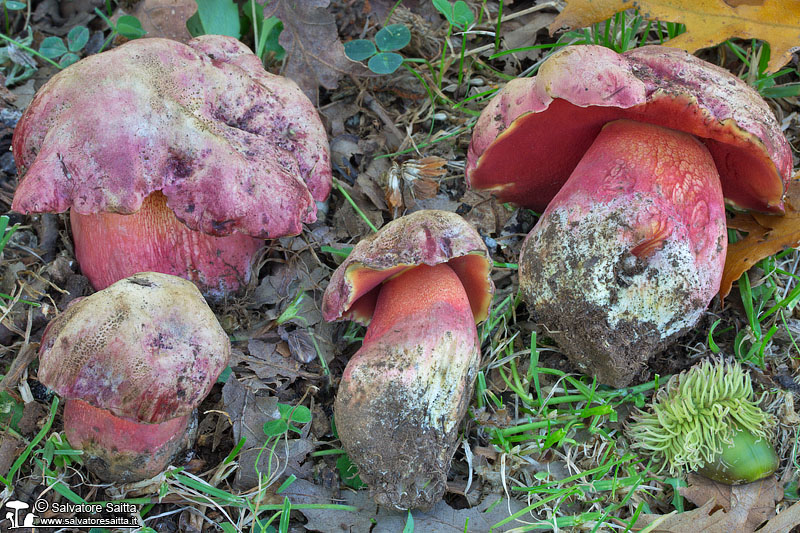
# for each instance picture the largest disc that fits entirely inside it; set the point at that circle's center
(697, 413)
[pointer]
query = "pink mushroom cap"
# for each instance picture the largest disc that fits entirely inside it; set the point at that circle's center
(231, 146)
(133, 361)
(427, 237)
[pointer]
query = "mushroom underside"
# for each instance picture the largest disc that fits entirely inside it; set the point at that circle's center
(121, 450)
(751, 179)
(111, 246)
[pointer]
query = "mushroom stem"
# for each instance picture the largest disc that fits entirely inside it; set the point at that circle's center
(630, 252)
(110, 247)
(118, 449)
(404, 392)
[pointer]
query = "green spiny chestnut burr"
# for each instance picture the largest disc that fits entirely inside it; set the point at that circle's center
(704, 420)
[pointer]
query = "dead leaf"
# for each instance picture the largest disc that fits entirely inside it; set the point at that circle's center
(374, 519)
(166, 18)
(314, 54)
(248, 412)
(766, 236)
(704, 519)
(708, 22)
(747, 506)
(268, 363)
(723, 508)
(785, 521)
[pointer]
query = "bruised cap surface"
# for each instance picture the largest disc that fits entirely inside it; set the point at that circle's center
(231, 146)
(533, 133)
(428, 237)
(147, 348)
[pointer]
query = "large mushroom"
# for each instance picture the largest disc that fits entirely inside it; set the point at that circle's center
(172, 158)
(421, 283)
(629, 156)
(133, 362)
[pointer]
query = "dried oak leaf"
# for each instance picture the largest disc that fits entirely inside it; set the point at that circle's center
(785, 521)
(723, 508)
(166, 18)
(747, 506)
(314, 54)
(766, 236)
(708, 22)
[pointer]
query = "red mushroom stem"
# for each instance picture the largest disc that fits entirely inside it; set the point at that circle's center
(123, 449)
(404, 392)
(630, 251)
(110, 247)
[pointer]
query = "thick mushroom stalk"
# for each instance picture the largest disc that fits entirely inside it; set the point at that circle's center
(423, 281)
(133, 362)
(405, 391)
(630, 252)
(630, 247)
(217, 152)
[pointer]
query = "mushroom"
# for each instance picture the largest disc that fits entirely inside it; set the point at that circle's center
(629, 156)
(133, 361)
(175, 158)
(421, 283)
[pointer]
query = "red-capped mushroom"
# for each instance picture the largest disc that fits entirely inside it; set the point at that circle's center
(423, 281)
(133, 362)
(173, 158)
(635, 151)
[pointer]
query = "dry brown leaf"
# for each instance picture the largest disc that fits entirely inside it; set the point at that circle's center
(723, 508)
(314, 54)
(785, 521)
(766, 236)
(166, 18)
(746, 506)
(705, 519)
(708, 22)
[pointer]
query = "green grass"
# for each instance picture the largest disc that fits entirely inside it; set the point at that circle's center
(531, 415)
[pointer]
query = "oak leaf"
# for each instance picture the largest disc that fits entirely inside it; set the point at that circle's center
(708, 22)
(766, 236)
(314, 54)
(722, 508)
(166, 18)
(747, 506)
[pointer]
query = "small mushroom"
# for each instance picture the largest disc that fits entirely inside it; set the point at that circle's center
(629, 156)
(174, 158)
(421, 283)
(133, 362)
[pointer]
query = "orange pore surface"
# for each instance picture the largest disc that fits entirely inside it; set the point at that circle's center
(529, 162)
(110, 247)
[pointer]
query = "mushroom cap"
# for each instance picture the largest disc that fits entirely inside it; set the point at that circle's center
(231, 146)
(147, 348)
(428, 237)
(555, 117)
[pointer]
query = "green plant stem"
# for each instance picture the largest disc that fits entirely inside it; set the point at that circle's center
(28, 449)
(353, 205)
(441, 61)
(497, 27)
(30, 50)
(461, 59)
